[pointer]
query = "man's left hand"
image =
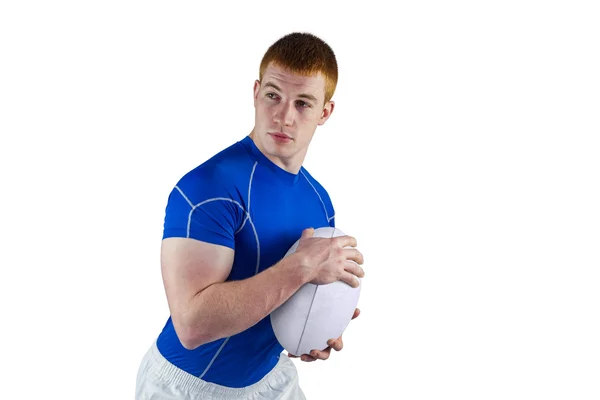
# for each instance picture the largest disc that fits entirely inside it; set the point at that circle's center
(336, 344)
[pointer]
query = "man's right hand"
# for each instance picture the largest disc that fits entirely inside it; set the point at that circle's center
(330, 259)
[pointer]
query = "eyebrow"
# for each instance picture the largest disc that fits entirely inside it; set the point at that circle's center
(303, 95)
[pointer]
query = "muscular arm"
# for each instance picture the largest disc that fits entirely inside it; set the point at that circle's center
(203, 307)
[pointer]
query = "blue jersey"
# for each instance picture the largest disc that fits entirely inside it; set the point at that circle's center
(242, 200)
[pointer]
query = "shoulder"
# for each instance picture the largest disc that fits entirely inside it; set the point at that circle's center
(322, 193)
(220, 176)
(207, 202)
(317, 186)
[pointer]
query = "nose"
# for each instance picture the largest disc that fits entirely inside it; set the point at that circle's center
(284, 114)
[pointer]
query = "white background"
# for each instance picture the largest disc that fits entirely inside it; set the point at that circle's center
(463, 154)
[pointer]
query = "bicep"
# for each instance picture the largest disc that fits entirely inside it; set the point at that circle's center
(189, 266)
(198, 240)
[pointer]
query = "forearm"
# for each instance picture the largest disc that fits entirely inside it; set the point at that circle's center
(227, 308)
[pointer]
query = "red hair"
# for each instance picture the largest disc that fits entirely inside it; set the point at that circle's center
(303, 54)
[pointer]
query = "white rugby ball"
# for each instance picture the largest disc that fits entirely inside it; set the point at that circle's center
(315, 313)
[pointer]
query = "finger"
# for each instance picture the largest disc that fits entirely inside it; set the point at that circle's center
(356, 313)
(345, 241)
(321, 355)
(336, 344)
(350, 279)
(354, 269)
(308, 232)
(307, 358)
(292, 356)
(354, 255)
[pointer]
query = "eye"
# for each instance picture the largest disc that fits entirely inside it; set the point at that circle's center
(303, 104)
(272, 96)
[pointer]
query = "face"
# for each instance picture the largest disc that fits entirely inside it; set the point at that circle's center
(288, 109)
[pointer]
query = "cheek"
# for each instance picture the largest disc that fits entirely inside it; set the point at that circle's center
(262, 113)
(307, 118)
(265, 111)
(310, 121)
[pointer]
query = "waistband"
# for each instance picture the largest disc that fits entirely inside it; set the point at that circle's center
(284, 370)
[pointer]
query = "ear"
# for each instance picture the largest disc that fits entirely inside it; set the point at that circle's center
(327, 110)
(256, 90)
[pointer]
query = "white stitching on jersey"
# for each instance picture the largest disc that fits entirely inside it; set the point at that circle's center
(250, 183)
(322, 203)
(249, 186)
(208, 201)
(184, 196)
(213, 359)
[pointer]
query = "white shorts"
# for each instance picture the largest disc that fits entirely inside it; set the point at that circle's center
(158, 379)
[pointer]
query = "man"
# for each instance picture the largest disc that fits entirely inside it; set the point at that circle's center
(228, 224)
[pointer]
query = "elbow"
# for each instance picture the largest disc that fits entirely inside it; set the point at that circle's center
(189, 342)
(189, 336)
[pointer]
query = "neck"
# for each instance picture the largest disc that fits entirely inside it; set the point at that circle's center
(291, 165)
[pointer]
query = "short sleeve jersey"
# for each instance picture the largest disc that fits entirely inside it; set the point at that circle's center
(242, 200)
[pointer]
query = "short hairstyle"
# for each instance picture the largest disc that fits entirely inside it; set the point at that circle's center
(303, 54)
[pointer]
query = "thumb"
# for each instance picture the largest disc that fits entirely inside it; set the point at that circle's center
(308, 232)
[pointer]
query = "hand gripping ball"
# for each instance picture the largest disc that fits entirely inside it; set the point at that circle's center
(315, 313)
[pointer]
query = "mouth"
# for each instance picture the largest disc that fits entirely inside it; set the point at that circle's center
(279, 135)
